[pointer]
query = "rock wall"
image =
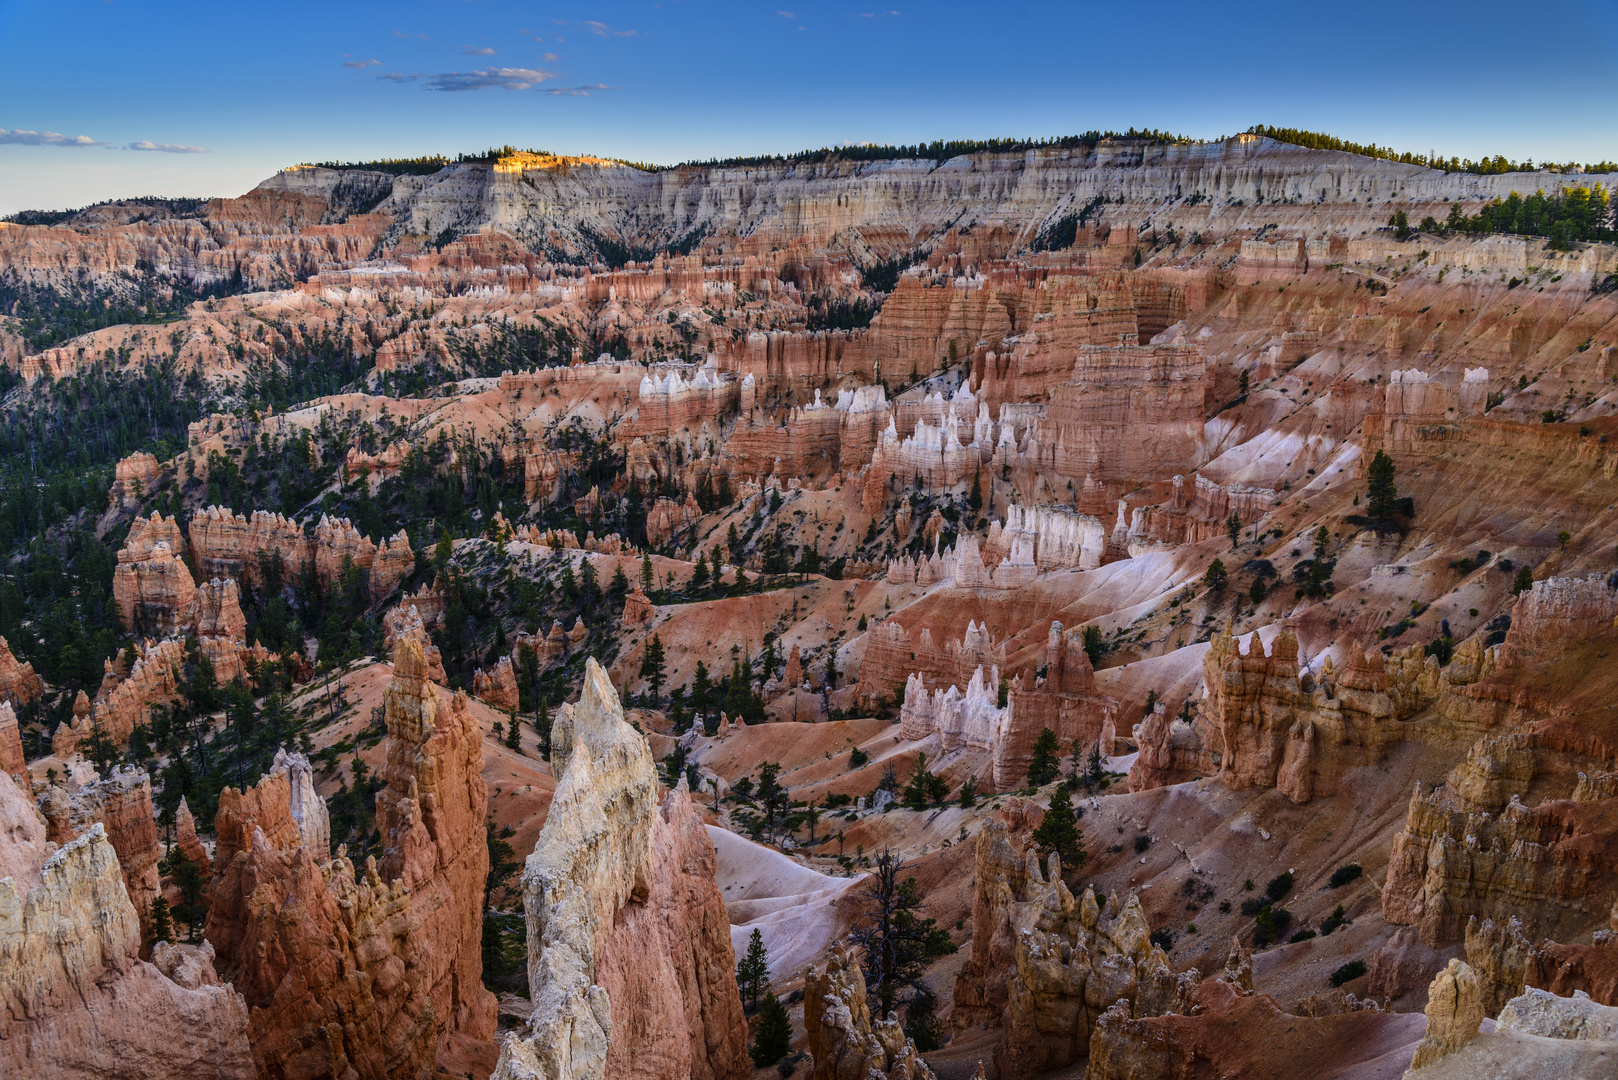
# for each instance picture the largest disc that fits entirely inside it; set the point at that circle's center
(1550, 866)
(122, 806)
(151, 584)
(630, 966)
(76, 1002)
(431, 813)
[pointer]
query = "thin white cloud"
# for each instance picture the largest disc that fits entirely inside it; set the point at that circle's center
(165, 148)
(24, 137)
(875, 14)
(787, 14)
(417, 37)
(477, 50)
(577, 91)
(373, 62)
(599, 29)
(549, 56)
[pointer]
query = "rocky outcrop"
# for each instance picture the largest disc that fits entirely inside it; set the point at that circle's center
(291, 928)
(122, 806)
(18, 683)
(216, 612)
(368, 972)
(1499, 956)
(430, 814)
(1454, 1014)
(1548, 865)
(1044, 965)
(497, 686)
(151, 584)
(76, 1002)
(845, 1042)
(126, 697)
(637, 608)
(133, 478)
(1550, 1016)
(12, 761)
(630, 965)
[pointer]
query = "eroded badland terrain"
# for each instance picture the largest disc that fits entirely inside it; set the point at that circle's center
(1118, 609)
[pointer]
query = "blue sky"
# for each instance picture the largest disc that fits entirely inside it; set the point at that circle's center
(102, 98)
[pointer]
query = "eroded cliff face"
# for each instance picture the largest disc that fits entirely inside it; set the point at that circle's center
(431, 816)
(368, 971)
(630, 965)
(122, 806)
(76, 1001)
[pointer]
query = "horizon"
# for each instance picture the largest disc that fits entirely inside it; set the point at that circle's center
(233, 96)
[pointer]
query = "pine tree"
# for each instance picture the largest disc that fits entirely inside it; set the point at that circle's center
(1233, 526)
(896, 941)
(648, 576)
(542, 728)
(1059, 832)
(921, 1021)
(652, 665)
(969, 793)
(773, 1040)
(514, 734)
(1044, 762)
(620, 583)
(162, 921)
(1381, 495)
(1216, 577)
(699, 576)
(753, 970)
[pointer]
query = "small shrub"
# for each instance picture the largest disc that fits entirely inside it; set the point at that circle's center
(1270, 924)
(857, 757)
(1163, 938)
(1348, 972)
(1343, 875)
(1278, 887)
(1301, 935)
(1224, 907)
(1142, 842)
(1333, 921)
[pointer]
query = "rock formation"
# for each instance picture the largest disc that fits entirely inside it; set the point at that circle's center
(152, 584)
(1452, 862)
(347, 972)
(18, 683)
(1044, 965)
(122, 806)
(76, 1002)
(1454, 1014)
(845, 1042)
(431, 816)
(497, 686)
(12, 761)
(630, 964)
